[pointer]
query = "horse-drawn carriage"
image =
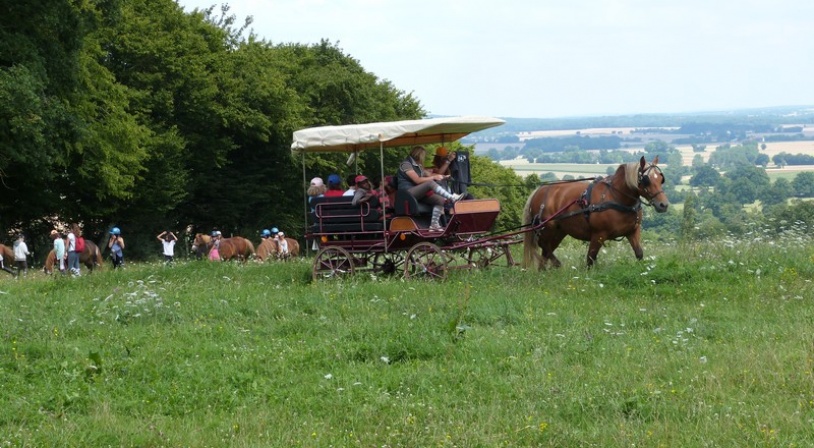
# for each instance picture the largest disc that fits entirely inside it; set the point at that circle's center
(356, 238)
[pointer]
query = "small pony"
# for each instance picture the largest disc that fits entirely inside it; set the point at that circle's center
(269, 248)
(8, 258)
(235, 248)
(91, 257)
(595, 211)
(201, 245)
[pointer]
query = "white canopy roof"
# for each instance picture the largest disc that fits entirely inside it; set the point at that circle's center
(359, 137)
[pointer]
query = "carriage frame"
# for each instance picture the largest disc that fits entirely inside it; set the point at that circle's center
(400, 243)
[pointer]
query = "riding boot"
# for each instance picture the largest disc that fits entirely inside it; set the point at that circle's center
(435, 222)
(454, 197)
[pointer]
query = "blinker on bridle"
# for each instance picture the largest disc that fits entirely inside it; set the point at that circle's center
(644, 183)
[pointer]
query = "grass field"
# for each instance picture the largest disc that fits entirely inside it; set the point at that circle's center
(702, 345)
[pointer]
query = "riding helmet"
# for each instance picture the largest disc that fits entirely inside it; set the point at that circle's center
(274, 231)
(265, 232)
(115, 231)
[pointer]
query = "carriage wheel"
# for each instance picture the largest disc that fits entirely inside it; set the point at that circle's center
(332, 262)
(425, 260)
(479, 257)
(386, 264)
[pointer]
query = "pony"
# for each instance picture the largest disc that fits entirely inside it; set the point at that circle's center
(91, 257)
(270, 248)
(235, 248)
(201, 245)
(597, 211)
(8, 258)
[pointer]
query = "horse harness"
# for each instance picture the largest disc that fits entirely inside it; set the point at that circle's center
(586, 207)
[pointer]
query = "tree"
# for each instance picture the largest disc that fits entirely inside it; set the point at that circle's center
(762, 160)
(803, 184)
(747, 181)
(505, 185)
(705, 176)
(779, 192)
(688, 219)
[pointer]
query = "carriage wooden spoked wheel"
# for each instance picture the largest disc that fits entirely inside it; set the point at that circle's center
(387, 264)
(333, 262)
(425, 260)
(480, 257)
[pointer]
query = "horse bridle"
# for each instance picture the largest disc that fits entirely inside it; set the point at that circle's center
(644, 183)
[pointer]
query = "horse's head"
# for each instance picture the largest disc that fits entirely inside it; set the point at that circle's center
(650, 181)
(201, 241)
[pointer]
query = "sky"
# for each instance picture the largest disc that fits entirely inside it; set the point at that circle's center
(564, 58)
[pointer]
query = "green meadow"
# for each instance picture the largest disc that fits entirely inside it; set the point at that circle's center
(702, 345)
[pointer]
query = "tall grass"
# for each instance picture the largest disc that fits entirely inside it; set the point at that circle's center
(696, 345)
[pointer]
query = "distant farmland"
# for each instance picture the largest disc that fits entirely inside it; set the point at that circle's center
(524, 168)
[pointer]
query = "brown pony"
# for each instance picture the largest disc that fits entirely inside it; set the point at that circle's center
(8, 258)
(91, 258)
(235, 248)
(201, 245)
(270, 248)
(597, 211)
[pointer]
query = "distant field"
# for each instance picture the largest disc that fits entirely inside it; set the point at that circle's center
(523, 168)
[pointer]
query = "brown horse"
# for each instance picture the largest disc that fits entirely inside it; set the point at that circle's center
(269, 248)
(8, 258)
(91, 258)
(597, 211)
(201, 245)
(235, 248)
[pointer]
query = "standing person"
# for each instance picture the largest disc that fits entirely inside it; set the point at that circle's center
(116, 245)
(73, 255)
(417, 181)
(21, 255)
(282, 244)
(214, 253)
(168, 240)
(59, 250)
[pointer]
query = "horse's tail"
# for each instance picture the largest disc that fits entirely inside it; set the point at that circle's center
(98, 256)
(293, 247)
(249, 248)
(48, 267)
(530, 254)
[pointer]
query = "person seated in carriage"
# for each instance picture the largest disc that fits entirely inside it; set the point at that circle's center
(334, 186)
(364, 192)
(418, 181)
(317, 189)
(350, 179)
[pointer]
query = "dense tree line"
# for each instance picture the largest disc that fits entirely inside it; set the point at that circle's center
(137, 114)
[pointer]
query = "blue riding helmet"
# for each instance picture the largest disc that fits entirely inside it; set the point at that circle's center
(214, 233)
(274, 231)
(115, 231)
(265, 232)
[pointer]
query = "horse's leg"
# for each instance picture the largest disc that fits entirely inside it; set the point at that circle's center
(550, 240)
(597, 241)
(635, 240)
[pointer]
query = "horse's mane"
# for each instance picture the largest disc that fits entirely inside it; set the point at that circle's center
(631, 174)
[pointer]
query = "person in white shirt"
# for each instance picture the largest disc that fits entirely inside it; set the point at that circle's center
(21, 255)
(73, 256)
(168, 240)
(283, 244)
(351, 180)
